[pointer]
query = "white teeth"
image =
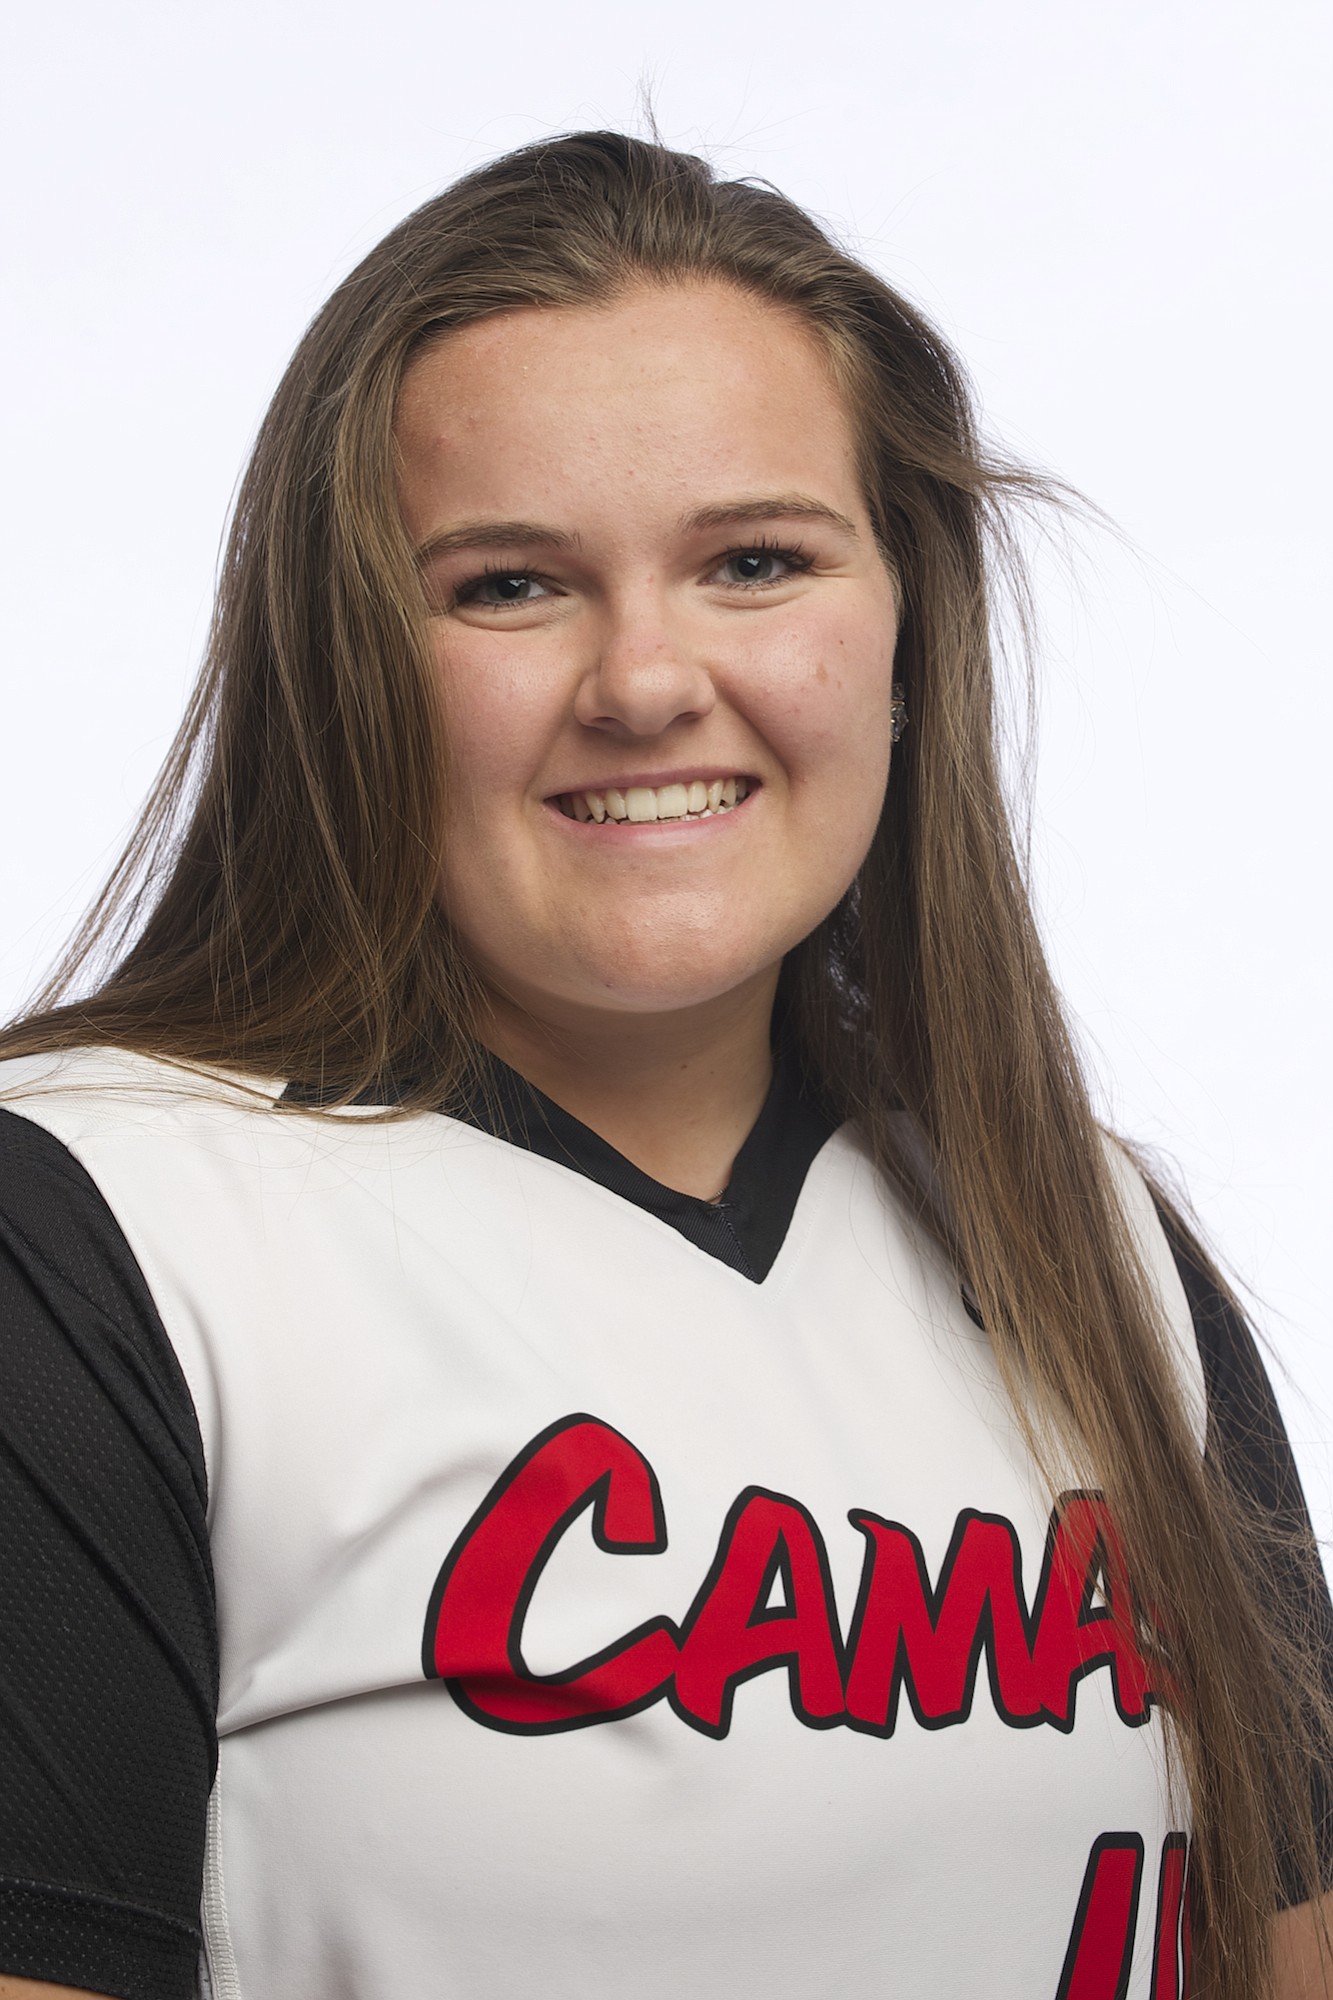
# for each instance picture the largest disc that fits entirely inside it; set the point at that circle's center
(642, 804)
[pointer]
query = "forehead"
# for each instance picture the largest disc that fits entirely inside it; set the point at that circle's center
(696, 385)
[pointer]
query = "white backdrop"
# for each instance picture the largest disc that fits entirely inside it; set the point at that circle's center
(1119, 213)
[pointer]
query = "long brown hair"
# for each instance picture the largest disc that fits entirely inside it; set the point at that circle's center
(276, 912)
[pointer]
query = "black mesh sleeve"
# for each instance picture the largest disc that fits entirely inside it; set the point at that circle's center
(1248, 1442)
(108, 1635)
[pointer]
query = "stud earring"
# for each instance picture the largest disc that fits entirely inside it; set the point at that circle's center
(897, 714)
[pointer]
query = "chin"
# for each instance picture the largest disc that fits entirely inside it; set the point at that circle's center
(658, 996)
(638, 970)
(647, 990)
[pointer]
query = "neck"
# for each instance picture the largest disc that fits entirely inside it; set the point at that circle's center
(677, 1094)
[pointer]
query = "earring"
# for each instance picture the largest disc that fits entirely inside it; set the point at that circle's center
(897, 714)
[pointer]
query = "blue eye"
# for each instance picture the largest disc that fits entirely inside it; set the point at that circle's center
(753, 568)
(754, 565)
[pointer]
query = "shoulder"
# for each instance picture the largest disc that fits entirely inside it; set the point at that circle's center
(1242, 1427)
(1157, 1251)
(96, 1149)
(80, 1092)
(155, 1135)
(1246, 1436)
(72, 1290)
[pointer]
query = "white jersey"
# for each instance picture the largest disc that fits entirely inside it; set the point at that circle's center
(596, 1621)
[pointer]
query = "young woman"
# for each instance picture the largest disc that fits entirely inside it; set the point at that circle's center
(575, 1187)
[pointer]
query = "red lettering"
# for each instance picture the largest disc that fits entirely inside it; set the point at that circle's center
(930, 1641)
(906, 1635)
(1101, 1941)
(732, 1633)
(1075, 1633)
(475, 1622)
(1171, 1942)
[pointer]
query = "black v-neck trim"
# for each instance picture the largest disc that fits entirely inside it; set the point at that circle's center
(744, 1230)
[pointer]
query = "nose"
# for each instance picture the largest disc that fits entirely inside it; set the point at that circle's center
(644, 675)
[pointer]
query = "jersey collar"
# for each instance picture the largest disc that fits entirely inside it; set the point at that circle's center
(744, 1229)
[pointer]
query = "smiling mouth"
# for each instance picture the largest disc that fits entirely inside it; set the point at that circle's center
(642, 804)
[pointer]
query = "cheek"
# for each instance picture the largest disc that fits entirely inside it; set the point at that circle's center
(837, 720)
(842, 767)
(491, 731)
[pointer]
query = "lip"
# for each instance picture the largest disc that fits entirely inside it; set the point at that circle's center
(653, 781)
(654, 829)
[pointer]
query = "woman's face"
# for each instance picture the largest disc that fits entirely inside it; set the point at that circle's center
(654, 590)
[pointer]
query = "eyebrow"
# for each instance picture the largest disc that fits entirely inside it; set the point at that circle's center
(767, 507)
(495, 535)
(726, 514)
